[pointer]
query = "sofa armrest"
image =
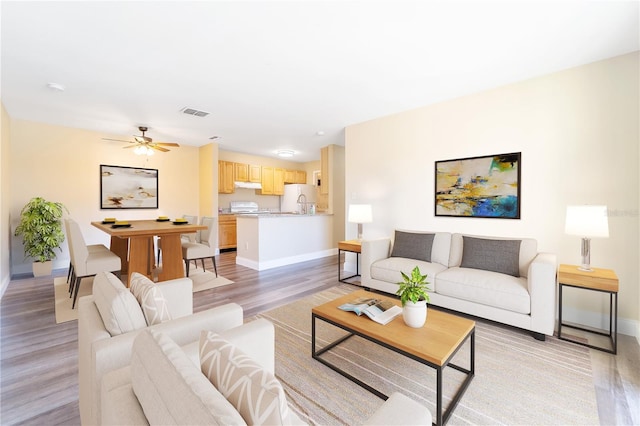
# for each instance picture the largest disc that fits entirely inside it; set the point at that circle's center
(115, 352)
(542, 290)
(372, 251)
(400, 410)
(179, 296)
(257, 340)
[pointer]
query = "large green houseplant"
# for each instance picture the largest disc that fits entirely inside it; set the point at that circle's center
(41, 230)
(414, 297)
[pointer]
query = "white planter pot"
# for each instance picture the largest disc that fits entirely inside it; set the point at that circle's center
(42, 269)
(415, 314)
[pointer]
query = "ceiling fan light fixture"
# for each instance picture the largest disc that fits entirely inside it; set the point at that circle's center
(285, 153)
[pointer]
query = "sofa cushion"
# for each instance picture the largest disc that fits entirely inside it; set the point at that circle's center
(412, 245)
(255, 392)
(485, 287)
(171, 389)
(491, 255)
(388, 269)
(150, 297)
(119, 310)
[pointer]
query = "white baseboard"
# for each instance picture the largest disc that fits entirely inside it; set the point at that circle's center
(626, 326)
(269, 264)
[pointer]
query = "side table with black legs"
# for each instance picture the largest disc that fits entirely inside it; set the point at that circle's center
(353, 246)
(601, 280)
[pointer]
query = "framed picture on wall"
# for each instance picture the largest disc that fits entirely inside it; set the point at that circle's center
(487, 187)
(128, 188)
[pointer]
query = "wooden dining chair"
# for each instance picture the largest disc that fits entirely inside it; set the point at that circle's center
(87, 263)
(205, 249)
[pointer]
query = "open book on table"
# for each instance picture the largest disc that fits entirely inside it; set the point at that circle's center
(378, 310)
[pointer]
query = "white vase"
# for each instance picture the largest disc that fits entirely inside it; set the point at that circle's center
(41, 269)
(415, 314)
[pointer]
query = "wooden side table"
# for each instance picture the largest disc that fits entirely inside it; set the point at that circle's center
(353, 246)
(602, 280)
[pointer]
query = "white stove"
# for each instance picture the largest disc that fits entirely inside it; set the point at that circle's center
(245, 207)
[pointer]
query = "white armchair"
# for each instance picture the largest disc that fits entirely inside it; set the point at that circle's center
(108, 323)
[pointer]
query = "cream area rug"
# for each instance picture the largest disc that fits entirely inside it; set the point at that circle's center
(202, 280)
(518, 380)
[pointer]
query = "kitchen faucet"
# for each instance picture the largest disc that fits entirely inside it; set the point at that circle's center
(302, 200)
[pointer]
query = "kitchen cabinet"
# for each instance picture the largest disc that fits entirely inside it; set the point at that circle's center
(295, 176)
(241, 172)
(225, 177)
(324, 170)
(272, 181)
(255, 173)
(227, 235)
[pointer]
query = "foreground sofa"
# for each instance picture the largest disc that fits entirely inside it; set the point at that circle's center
(501, 279)
(111, 318)
(224, 378)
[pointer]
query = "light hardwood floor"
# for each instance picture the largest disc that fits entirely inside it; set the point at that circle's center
(38, 370)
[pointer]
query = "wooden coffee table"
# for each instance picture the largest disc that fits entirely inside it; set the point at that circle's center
(434, 345)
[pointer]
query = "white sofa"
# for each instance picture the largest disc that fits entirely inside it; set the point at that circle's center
(166, 384)
(501, 279)
(111, 319)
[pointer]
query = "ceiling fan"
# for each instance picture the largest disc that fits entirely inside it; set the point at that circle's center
(144, 144)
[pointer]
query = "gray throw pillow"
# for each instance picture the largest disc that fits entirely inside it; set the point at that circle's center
(412, 245)
(501, 256)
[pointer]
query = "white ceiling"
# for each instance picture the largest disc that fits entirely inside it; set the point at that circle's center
(273, 73)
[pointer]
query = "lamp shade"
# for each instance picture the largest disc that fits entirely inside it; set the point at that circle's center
(587, 221)
(360, 213)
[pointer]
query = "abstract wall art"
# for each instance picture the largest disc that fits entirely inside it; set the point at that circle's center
(128, 188)
(487, 187)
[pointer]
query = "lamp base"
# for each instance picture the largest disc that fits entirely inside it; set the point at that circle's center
(583, 269)
(585, 252)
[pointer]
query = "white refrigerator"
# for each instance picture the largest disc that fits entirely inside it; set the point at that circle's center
(289, 201)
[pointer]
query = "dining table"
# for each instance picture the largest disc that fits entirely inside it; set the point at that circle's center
(133, 242)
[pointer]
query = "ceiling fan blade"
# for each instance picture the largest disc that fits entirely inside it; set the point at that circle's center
(131, 146)
(116, 140)
(142, 138)
(166, 144)
(159, 148)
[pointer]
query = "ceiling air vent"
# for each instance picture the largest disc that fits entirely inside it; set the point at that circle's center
(192, 111)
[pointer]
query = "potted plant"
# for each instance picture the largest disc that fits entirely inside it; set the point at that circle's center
(41, 230)
(414, 297)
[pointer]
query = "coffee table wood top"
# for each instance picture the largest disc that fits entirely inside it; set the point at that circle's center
(436, 342)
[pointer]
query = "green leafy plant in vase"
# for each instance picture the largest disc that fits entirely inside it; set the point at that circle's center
(41, 230)
(414, 297)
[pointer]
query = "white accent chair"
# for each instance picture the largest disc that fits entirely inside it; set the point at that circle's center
(110, 319)
(205, 249)
(88, 262)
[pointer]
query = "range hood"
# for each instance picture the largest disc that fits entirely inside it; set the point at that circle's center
(248, 185)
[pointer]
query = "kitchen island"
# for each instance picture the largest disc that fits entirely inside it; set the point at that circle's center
(267, 241)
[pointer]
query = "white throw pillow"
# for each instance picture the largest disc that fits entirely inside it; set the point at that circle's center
(118, 308)
(254, 392)
(150, 297)
(170, 387)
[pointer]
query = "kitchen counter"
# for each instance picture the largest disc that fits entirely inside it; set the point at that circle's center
(267, 241)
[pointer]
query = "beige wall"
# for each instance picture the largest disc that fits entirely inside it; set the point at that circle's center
(5, 200)
(578, 134)
(62, 164)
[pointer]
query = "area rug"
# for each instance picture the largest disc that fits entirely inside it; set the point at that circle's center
(518, 380)
(202, 280)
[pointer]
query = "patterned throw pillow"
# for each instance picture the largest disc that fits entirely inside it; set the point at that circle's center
(256, 393)
(151, 300)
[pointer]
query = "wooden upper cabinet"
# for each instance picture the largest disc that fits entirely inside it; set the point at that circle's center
(324, 170)
(255, 173)
(278, 181)
(225, 177)
(295, 176)
(241, 172)
(267, 181)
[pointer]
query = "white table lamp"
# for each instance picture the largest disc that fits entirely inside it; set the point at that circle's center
(587, 222)
(360, 213)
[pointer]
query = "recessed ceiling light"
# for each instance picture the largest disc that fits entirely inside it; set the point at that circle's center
(320, 133)
(56, 86)
(285, 153)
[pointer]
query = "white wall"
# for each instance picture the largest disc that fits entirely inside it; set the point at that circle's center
(62, 164)
(5, 196)
(578, 134)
